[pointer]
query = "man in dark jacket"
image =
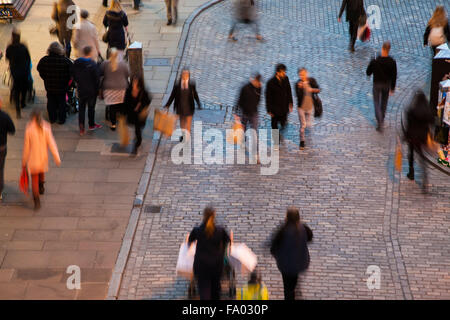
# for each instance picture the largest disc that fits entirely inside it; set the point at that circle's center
(6, 127)
(62, 12)
(86, 75)
(247, 106)
(19, 65)
(384, 69)
(354, 9)
(290, 250)
(279, 98)
(56, 70)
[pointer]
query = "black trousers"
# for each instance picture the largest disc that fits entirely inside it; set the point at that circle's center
(20, 91)
(2, 166)
(113, 111)
(289, 283)
(56, 107)
(380, 101)
(138, 132)
(353, 31)
(411, 148)
(282, 120)
(90, 102)
(209, 286)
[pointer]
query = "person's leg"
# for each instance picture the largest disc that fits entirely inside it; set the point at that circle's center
(215, 287)
(113, 115)
(283, 123)
(41, 183)
(2, 167)
(424, 168)
(35, 190)
(169, 10)
(204, 287)
(353, 30)
(233, 27)
(188, 124)
(52, 107)
(377, 105)
(68, 47)
(82, 112)
(91, 110)
(174, 11)
(289, 283)
(105, 3)
(301, 116)
(410, 174)
(61, 101)
(16, 96)
(25, 88)
(138, 132)
(384, 102)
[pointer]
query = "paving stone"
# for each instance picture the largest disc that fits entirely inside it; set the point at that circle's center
(49, 291)
(12, 291)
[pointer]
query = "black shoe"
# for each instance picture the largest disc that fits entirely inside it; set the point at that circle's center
(181, 139)
(61, 122)
(37, 203)
(410, 175)
(302, 145)
(41, 188)
(169, 22)
(351, 48)
(230, 37)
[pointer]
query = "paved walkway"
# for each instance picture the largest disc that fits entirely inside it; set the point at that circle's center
(361, 211)
(89, 199)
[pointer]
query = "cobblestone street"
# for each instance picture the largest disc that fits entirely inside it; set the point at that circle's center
(362, 211)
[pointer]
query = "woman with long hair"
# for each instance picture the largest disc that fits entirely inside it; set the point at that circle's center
(438, 30)
(116, 23)
(289, 247)
(212, 241)
(38, 139)
(115, 75)
(137, 101)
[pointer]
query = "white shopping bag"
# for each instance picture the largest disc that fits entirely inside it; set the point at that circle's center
(185, 263)
(242, 257)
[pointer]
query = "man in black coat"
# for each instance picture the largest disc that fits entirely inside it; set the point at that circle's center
(20, 66)
(247, 106)
(56, 70)
(86, 76)
(6, 127)
(279, 98)
(354, 9)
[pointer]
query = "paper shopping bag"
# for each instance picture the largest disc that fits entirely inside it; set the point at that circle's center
(123, 131)
(236, 135)
(164, 122)
(185, 263)
(23, 182)
(244, 255)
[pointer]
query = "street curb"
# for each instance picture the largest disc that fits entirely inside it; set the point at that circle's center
(127, 241)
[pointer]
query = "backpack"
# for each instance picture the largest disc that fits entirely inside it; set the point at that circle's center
(436, 36)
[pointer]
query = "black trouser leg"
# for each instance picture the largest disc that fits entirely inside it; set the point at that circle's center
(52, 107)
(384, 102)
(91, 110)
(232, 28)
(353, 30)
(16, 93)
(204, 287)
(61, 107)
(411, 159)
(2, 166)
(138, 132)
(82, 112)
(289, 283)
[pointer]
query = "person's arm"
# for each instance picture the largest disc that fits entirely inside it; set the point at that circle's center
(309, 233)
(39, 69)
(289, 89)
(105, 21)
(238, 108)
(276, 242)
(10, 128)
(193, 236)
(124, 19)
(172, 96)
(426, 35)
(369, 69)
(197, 99)
(26, 148)
(52, 146)
(8, 53)
(394, 76)
(55, 12)
(315, 86)
(269, 99)
(341, 11)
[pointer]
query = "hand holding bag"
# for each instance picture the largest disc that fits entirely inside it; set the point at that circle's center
(164, 122)
(185, 262)
(23, 182)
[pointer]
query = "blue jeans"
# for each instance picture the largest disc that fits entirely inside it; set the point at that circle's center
(380, 101)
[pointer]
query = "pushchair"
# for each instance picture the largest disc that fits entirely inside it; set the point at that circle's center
(72, 103)
(8, 81)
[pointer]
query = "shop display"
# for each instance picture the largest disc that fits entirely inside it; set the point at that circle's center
(442, 129)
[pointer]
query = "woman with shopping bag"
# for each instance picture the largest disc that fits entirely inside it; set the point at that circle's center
(209, 255)
(38, 139)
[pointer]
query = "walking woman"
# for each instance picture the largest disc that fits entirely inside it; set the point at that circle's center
(291, 251)
(115, 73)
(438, 30)
(61, 14)
(184, 93)
(137, 101)
(209, 255)
(38, 139)
(116, 23)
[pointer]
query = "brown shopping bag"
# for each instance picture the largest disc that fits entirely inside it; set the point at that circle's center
(164, 122)
(123, 131)
(236, 136)
(398, 156)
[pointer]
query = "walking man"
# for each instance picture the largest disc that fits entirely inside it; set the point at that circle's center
(172, 11)
(86, 75)
(354, 9)
(245, 12)
(6, 127)
(279, 99)
(305, 88)
(384, 69)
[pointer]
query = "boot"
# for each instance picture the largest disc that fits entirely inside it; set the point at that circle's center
(41, 188)
(410, 174)
(37, 203)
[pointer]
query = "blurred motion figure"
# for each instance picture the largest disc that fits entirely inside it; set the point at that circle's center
(244, 12)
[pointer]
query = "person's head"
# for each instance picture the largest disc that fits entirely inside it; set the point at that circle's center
(292, 216)
(87, 52)
(303, 74)
(36, 116)
(84, 14)
(439, 18)
(137, 82)
(255, 79)
(280, 70)
(114, 59)
(115, 6)
(56, 48)
(255, 278)
(420, 100)
(386, 48)
(15, 36)
(209, 214)
(185, 74)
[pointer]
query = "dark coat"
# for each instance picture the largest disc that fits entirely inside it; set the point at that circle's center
(6, 126)
(210, 252)
(301, 93)
(419, 118)
(176, 95)
(428, 30)
(289, 247)
(143, 99)
(86, 75)
(353, 9)
(19, 61)
(60, 16)
(249, 98)
(56, 71)
(384, 71)
(115, 22)
(278, 96)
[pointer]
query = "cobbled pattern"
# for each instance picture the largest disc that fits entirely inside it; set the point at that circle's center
(361, 211)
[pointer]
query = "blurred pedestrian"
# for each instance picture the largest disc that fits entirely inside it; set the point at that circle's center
(115, 73)
(244, 13)
(290, 249)
(61, 13)
(354, 10)
(212, 241)
(438, 30)
(384, 70)
(254, 290)
(56, 70)
(20, 66)
(137, 101)
(6, 127)
(184, 93)
(116, 23)
(247, 105)
(86, 35)
(419, 120)
(38, 139)
(87, 76)
(305, 88)
(172, 11)
(279, 99)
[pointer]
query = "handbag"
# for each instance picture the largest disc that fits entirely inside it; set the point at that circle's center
(164, 122)
(318, 109)
(441, 134)
(24, 181)
(105, 37)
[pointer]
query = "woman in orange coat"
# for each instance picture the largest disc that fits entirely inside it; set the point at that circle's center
(38, 139)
